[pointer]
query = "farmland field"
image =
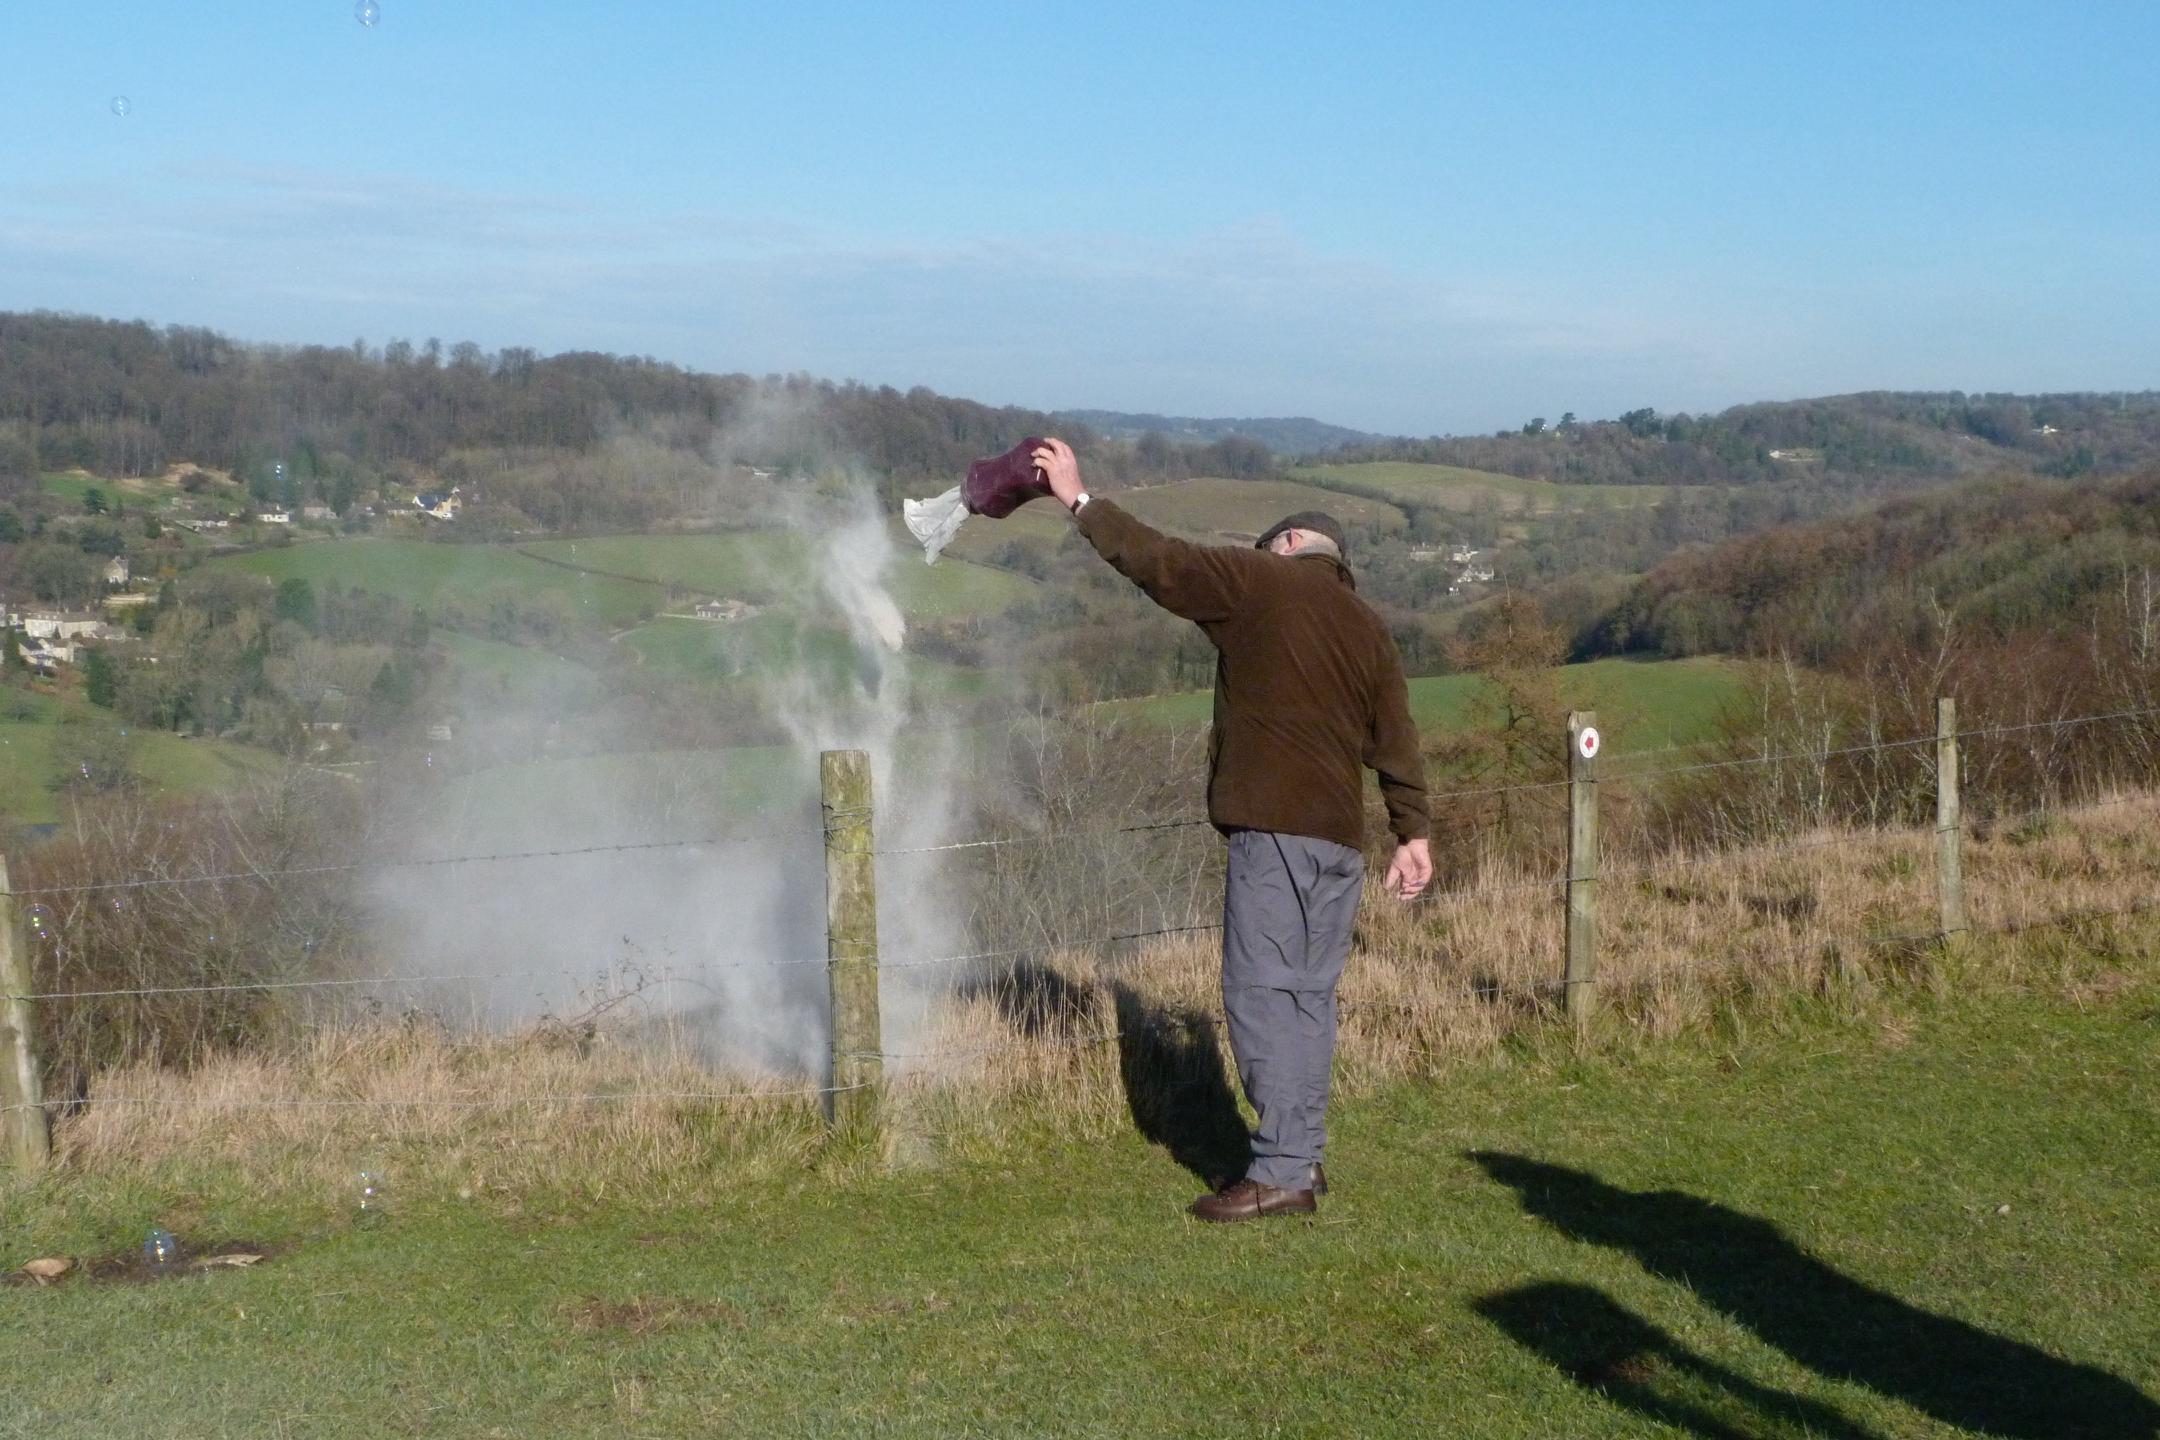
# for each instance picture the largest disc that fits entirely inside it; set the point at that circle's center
(1241, 509)
(1454, 488)
(757, 650)
(1641, 705)
(40, 737)
(424, 574)
(774, 566)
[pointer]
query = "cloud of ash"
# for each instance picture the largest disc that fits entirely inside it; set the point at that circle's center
(721, 944)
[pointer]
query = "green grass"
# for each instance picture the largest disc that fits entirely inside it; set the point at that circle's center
(1792, 1228)
(773, 566)
(138, 492)
(1641, 705)
(1242, 509)
(520, 675)
(36, 751)
(1455, 488)
(757, 650)
(426, 575)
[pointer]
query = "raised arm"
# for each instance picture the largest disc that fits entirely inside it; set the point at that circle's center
(1203, 583)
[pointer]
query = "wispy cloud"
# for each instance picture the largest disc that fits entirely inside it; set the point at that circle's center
(1243, 319)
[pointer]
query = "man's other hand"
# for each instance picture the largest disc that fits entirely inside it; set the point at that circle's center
(1062, 469)
(1412, 870)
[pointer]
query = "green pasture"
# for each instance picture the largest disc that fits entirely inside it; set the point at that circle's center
(1927, 1216)
(42, 739)
(133, 491)
(779, 647)
(1641, 704)
(775, 567)
(471, 576)
(1242, 509)
(518, 675)
(1452, 487)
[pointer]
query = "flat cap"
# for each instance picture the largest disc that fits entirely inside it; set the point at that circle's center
(1317, 521)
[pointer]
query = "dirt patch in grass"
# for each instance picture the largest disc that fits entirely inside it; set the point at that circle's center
(132, 1269)
(651, 1314)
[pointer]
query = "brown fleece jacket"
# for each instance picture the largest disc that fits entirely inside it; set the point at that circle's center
(1308, 686)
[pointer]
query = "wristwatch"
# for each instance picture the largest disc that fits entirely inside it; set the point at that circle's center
(1080, 501)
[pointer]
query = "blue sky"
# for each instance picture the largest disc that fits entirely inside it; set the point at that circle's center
(1415, 218)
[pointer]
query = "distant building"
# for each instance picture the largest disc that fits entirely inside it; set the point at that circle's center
(129, 600)
(116, 570)
(274, 517)
(438, 506)
(317, 512)
(725, 610)
(2045, 430)
(58, 624)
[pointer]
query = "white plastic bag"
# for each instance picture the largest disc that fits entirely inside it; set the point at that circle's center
(934, 521)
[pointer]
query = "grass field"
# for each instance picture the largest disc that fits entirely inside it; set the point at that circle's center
(1241, 509)
(424, 574)
(37, 749)
(1454, 488)
(1916, 1222)
(519, 675)
(764, 647)
(133, 491)
(1641, 705)
(773, 566)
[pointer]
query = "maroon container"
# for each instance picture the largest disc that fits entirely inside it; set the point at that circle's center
(999, 486)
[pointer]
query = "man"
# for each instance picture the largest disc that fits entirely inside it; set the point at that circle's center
(1308, 692)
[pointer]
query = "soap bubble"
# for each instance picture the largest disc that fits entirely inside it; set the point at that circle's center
(160, 1251)
(121, 106)
(370, 1194)
(367, 12)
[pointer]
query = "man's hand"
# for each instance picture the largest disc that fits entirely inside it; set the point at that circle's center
(1062, 469)
(1412, 870)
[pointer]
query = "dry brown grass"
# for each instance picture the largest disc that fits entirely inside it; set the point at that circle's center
(446, 1113)
(1686, 942)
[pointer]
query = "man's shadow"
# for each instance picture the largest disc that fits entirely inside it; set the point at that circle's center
(1176, 1087)
(1746, 1268)
(1614, 1353)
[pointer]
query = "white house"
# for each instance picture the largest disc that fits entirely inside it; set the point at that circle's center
(273, 517)
(58, 624)
(116, 570)
(439, 506)
(724, 609)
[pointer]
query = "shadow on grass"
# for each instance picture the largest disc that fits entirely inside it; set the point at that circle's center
(1747, 1269)
(1176, 1087)
(1610, 1351)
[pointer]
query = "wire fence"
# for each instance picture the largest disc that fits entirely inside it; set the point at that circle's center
(19, 909)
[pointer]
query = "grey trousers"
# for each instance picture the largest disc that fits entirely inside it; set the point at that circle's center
(1289, 903)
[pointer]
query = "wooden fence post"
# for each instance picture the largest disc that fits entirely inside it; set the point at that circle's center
(851, 956)
(1949, 823)
(1582, 864)
(23, 1124)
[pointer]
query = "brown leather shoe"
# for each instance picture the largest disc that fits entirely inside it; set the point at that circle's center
(1249, 1200)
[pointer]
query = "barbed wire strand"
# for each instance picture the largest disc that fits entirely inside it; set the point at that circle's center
(417, 1102)
(429, 862)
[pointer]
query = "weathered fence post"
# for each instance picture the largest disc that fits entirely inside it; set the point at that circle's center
(851, 948)
(1949, 869)
(1582, 864)
(22, 1090)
